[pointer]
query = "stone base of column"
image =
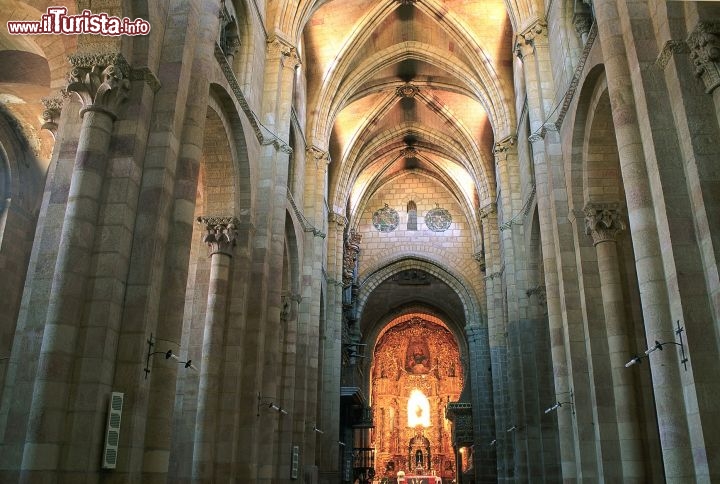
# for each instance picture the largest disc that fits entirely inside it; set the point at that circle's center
(311, 475)
(330, 477)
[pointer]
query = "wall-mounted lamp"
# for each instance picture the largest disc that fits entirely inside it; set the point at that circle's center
(559, 404)
(269, 403)
(512, 429)
(315, 429)
(637, 359)
(556, 406)
(493, 443)
(188, 364)
(341, 444)
(168, 354)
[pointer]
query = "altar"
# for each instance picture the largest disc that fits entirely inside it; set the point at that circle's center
(411, 479)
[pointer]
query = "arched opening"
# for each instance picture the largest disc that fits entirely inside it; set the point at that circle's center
(415, 372)
(615, 327)
(214, 300)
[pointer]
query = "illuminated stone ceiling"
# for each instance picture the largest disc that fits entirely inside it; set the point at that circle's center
(409, 85)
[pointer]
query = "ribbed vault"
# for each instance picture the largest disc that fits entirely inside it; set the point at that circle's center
(396, 87)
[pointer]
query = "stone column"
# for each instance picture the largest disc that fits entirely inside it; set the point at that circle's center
(675, 438)
(332, 452)
(603, 222)
(312, 318)
(482, 404)
(261, 376)
(496, 339)
(575, 460)
(101, 82)
(506, 321)
(220, 237)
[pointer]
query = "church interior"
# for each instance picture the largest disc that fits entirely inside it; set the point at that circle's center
(362, 241)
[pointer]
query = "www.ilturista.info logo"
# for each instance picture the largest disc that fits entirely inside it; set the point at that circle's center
(57, 21)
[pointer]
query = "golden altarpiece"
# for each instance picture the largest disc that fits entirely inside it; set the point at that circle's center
(416, 372)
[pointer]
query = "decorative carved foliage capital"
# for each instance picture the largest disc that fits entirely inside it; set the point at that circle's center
(51, 113)
(603, 221)
(100, 80)
(407, 90)
(582, 21)
(221, 234)
(704, 43)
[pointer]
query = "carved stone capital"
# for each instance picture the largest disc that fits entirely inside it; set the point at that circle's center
(488, 210)
(534, 138)
(540, 292)
(523, 47)
(582, 21)
(320, 157)
(535, 31)
(504, 145)
(283, 49)
(479, 256)
(407, 90)
(51, 113)
(146, 75)
(704, 43)
(100, 80)
(221, 234)
(526, 41)
(338, 219)
(494, 275)
(603, 221)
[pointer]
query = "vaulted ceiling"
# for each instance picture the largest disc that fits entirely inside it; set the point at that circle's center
(409, 85)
